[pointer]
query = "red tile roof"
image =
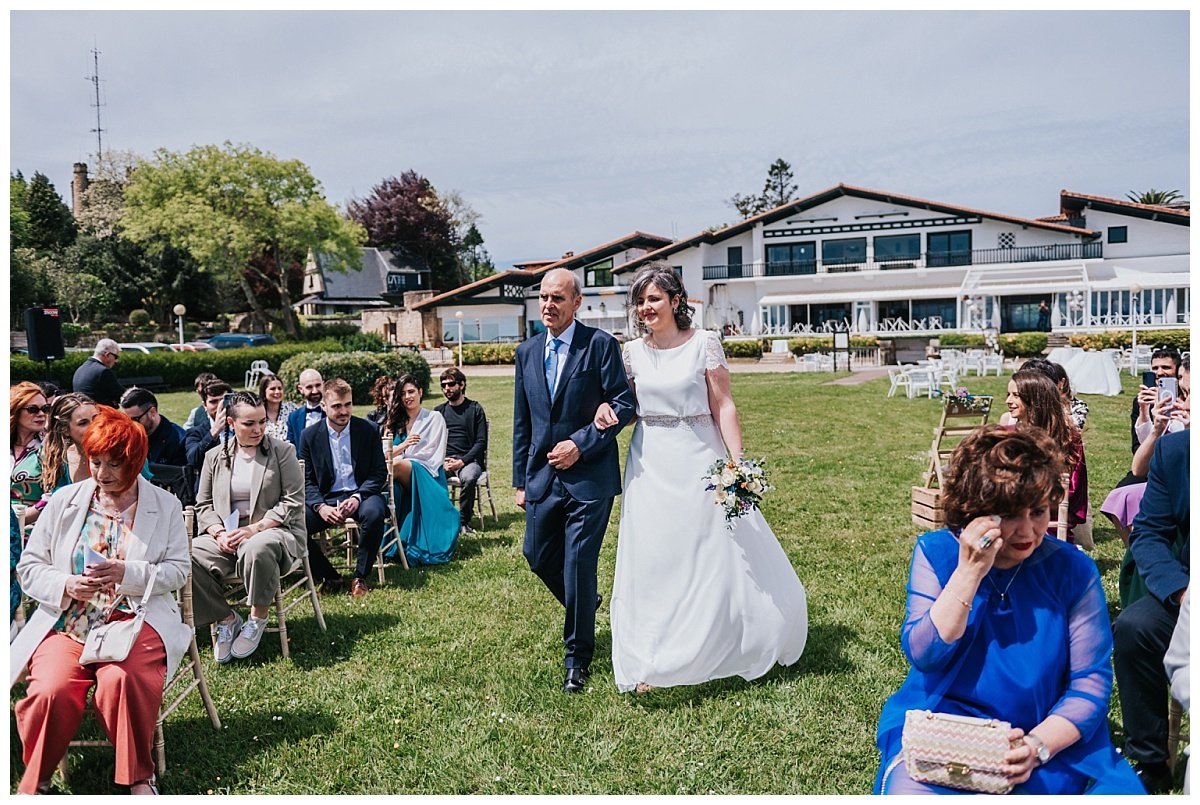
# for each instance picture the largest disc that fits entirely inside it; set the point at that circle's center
(1064, 195)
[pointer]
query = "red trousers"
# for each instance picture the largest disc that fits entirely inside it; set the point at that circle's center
(127, 699)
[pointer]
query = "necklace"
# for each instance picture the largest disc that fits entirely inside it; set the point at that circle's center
(1004, 593)
(674, 342)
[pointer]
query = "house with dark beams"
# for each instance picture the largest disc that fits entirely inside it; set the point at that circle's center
(381, 281)
(867, 261)
(504, 306)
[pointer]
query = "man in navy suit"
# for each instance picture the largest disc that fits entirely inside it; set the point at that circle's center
(1160, 542)
(566, 472)
(344, 477)
(312, 389)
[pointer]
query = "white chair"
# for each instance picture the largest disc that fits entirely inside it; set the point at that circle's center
(897, 379)
(991, 362)
(1141, 358)
(484, 485)
(920, 378)
(255, 373)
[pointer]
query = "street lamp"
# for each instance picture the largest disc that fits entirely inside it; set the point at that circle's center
(179, 311)
(1135, 304)
(459, 315)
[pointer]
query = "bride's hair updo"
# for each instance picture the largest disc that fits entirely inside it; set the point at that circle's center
(669, 283)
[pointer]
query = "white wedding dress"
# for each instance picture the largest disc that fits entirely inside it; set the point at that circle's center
(692, 600)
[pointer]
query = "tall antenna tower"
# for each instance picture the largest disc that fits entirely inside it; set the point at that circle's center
(95, 79)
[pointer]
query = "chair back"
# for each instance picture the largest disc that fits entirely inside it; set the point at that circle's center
(1064, 511)
(179, 481)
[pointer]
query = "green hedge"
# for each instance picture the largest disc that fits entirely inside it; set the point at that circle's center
(1022, 345)
(359, 369)
(807, 344)
(972, 340)
(177, 369)
(743, 349)
(475, 354)
(1123, 339)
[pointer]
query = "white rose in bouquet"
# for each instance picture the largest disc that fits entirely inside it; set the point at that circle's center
(728, 476)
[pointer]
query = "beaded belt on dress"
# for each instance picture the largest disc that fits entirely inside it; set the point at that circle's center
(666, 421)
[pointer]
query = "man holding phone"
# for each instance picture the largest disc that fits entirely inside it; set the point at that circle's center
(205, 435)
(1164, 363)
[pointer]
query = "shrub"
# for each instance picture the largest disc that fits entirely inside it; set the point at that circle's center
(743, 349)
(1123, 339)
(475, 354)
(972, 340)
(177, 369)
(72, 332)
(1022, 345)
(359, 369)
(139, 318)
(807, 344)
(363, 342)
(321, 330)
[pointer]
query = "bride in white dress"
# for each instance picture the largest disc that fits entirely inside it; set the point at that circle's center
(693, 599)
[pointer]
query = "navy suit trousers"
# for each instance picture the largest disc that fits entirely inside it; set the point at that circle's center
(562, 545)
(370, 516)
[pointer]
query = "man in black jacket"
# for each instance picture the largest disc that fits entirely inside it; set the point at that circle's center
(466, 441)
(165, 437)
(95, 376)
(208, 431)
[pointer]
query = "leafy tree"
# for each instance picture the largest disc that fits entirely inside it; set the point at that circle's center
(778, 190)
(28, 282)
(232, 206)
(1162, 198)
(407, 216)
(51, 226)
(18, 216)
(477, 261)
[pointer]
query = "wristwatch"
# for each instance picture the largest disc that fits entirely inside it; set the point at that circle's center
(1039, 747)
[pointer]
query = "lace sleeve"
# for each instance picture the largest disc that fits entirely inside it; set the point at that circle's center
(626, 359)
(1085, 701)
(714, 355)
(919, 637)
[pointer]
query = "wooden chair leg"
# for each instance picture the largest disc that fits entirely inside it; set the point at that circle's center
(312, 595)
(281, 617)
(1174, 728)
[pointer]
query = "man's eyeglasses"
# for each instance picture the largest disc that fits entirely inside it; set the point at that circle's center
(138, 418)
(34, 410)
(448, 383)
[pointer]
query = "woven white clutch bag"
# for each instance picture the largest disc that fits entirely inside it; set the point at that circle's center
(956, 751)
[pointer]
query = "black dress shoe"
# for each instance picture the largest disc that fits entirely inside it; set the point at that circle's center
(576, 680)
(1156, 777)
(599, 600)
(332, 586)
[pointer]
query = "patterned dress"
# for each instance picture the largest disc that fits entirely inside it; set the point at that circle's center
(106, 535)
(26, 479)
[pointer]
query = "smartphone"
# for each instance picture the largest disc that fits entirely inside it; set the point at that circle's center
(1148, 379)
(228, 400)
(1168, 388)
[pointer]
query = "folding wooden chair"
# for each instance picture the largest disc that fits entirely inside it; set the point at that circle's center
(926, 499)
(391, 529)
(483, 486)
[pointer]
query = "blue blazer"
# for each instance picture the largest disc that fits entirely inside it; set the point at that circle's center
(1160, 540)
(593, 373)
(295, 424)
(366, 452)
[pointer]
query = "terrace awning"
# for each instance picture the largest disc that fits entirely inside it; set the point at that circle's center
(881, 295)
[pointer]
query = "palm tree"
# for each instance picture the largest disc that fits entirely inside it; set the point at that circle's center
(1161, 198)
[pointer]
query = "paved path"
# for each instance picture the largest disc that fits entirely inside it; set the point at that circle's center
(859, 375)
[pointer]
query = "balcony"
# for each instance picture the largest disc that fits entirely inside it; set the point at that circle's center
(1022, 254)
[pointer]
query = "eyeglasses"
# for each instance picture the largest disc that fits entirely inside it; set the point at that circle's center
(449, 383)
(138, 418)
(34, 410)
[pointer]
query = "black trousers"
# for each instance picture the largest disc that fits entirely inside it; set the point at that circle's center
(469, 476)
(370, 518)
(1140, 639)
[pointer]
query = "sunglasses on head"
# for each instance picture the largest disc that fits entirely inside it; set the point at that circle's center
(34, 410)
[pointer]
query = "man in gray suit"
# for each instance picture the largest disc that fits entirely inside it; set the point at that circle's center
(258, 477)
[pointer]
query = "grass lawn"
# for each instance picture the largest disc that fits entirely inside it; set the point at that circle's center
(446, 680)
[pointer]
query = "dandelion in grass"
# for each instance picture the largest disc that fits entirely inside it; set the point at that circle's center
(738, 486)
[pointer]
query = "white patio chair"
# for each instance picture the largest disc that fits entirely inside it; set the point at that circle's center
(897, 378)
(991, 362)
(920, 378)
(255, 373)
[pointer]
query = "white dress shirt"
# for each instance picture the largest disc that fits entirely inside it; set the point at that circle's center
(343, 463)
(563, 348)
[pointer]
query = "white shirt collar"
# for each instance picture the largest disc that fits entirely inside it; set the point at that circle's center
(565, 336)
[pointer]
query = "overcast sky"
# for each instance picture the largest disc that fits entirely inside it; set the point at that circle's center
(569, 129)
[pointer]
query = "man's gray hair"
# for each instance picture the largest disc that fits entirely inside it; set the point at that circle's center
(105, 346)
(576, 282)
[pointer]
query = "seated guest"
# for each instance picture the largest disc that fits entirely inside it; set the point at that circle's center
(95, 376)
(312, 389)
(428, 521)
(62, 460)
(1122, 504)
(137, 530)
(166, 438)
(28, 415)
(1003, 621)
(1160, 544)
(1033, 399)
(1164, 362)
(381, 396)
(257, 476)
(344, 474)
(1077, 409)
(15, 542)
(210, 429)
(466, 441)
(270, 391)
(51, 390)
(198, 413)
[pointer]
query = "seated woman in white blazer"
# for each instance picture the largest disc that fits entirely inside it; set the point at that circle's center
(97, 540)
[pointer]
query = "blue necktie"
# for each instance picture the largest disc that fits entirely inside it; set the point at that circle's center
(552, 366)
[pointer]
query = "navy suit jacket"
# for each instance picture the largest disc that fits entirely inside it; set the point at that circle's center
(295, 424)
(593, 373)
(1160, 540)
(366, 452)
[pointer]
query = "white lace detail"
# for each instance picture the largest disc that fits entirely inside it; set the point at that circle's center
(714, 354)
(666, 421)
(626, 359)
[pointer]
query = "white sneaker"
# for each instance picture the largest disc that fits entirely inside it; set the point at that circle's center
(226, 630)
(251, 635)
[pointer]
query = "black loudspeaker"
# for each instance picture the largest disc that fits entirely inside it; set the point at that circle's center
(43, 328)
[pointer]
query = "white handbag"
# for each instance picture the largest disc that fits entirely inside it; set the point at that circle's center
(113, 640)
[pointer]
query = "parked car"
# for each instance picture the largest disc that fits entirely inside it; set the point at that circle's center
(192, 346)
(145, 347)
(240, 340)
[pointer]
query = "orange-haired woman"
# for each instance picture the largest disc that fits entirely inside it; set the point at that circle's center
(99, 542)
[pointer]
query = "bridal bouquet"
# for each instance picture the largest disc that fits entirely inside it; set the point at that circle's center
(737, 486)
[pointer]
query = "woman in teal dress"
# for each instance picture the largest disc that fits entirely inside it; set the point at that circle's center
(28, 415)
(428, 520)
(1006, 622)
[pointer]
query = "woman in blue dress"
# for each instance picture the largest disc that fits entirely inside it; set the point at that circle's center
(1003, 621)
(428, 520)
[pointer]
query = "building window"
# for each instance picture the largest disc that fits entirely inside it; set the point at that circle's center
(1006, 240)
(1118, 234)
(843, 251)
(930, 309)
(893, 248)
(598, 275)
(792, 258)
(949, 248)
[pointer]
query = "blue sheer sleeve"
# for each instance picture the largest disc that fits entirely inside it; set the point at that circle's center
(1085, 701)
(919, 637)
